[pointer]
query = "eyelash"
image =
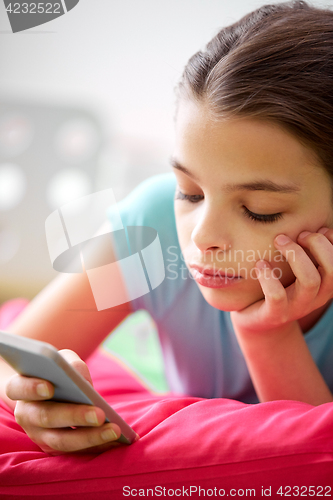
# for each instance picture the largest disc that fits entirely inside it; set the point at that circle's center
(262, 217)
(188, 197)
(255, 217)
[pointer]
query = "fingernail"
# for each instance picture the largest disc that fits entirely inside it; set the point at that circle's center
(282, 239)
(323, 230)
(261, 264)
(303, 234)
(43, 391)
(109, 435)
(91, 417)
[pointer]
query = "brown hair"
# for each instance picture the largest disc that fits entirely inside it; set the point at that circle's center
(276, 63)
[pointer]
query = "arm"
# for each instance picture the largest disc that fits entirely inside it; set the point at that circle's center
(281, 366)
(269, 334)
(65, 315)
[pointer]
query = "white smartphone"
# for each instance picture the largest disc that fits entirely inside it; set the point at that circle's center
(34, 358)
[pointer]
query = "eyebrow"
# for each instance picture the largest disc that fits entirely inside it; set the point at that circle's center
(260, 185)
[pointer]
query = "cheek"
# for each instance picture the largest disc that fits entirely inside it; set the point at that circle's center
(283, 272)
(184, 227)
(263, 248)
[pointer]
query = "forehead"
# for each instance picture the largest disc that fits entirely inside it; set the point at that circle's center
(240, 146)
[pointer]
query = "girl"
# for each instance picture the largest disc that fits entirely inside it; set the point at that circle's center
(249, 211)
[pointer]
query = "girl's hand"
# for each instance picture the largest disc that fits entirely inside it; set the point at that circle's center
(51, 424)
(312, 289)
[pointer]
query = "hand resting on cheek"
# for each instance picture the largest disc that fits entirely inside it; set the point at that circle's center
(311, 290)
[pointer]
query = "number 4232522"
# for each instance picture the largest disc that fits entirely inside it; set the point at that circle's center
(305, 491)
(34, 8)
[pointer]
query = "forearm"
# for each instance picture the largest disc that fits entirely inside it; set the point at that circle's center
(64, 314)
(281, 366)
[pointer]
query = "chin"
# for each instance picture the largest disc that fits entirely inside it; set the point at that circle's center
(227, 301)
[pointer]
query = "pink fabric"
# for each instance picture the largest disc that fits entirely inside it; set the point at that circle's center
(9, 310)
(185, 442)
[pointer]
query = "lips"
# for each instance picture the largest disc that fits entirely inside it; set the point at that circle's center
(208, 271)
(213, 278)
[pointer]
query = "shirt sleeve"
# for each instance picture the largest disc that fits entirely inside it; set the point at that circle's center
(147, 214)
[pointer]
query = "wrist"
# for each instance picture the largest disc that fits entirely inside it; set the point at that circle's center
(269, 331)
(248, 335)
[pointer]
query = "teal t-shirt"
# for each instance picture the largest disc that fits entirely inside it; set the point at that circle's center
(201, 353)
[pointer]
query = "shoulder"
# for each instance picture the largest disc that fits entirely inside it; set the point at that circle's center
(151, 204)
(150, 200)
(160, 184)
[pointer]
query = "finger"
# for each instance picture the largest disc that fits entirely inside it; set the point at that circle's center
(73, 359)
(308, 279)
(51, 414)
(328, 232)
(28, 388)
(80, 439)
(276, 302)
(321, 248)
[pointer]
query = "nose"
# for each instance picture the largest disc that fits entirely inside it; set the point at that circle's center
(211, 231)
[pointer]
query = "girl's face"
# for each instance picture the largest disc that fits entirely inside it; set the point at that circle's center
(247, 181)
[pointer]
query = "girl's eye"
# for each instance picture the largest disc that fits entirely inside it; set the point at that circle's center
(262, 217)
(188, 197)
(251, 215)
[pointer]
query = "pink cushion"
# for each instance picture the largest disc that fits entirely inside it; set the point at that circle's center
(185, 443)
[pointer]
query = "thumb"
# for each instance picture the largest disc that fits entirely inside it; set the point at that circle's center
(76, 362)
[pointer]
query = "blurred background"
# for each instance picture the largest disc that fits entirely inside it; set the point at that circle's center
(87, 103)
